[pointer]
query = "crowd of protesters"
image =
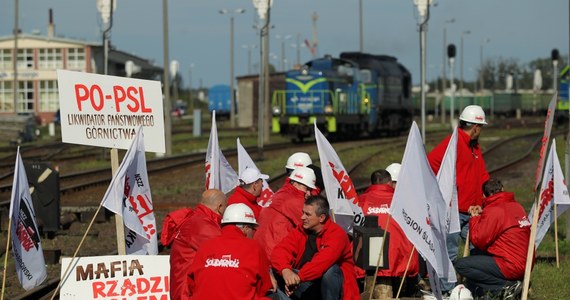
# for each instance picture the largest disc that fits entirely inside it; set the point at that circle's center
(232, 248)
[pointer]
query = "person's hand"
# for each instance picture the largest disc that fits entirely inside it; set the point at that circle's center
(273, 282)
(475, 210)
(291, 278)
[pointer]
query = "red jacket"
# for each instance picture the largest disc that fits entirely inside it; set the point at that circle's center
(242, 196)
(230, 267)
(280, 217)
(376, 201)
(203, 225)
(503, 231)
(333, 248)
(471, 173)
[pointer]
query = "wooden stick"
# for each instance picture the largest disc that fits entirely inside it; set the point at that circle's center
(530, 251)
(556, 236)
(405, 272)
(6, 256)
(119, 223)
(466, 248)
(379, 257)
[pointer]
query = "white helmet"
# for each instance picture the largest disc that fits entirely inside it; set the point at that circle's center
(460, 292)
(473, 114)
(394, 170)
(238, 213)
(304, 176)
(298, 159)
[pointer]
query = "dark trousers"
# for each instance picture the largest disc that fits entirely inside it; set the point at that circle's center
(482, 273)
(328, 287)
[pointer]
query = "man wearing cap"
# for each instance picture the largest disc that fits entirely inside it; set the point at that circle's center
(286, 206)
(203, 224)
(376, 201)
(251, 186)
(470, 175)
(314, 261)
(231, 266)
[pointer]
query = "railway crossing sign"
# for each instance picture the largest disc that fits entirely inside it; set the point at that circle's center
(106, 111)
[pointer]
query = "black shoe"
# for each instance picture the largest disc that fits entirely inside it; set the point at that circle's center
(512, 291)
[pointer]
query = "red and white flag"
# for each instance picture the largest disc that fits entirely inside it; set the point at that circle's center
(418, 207)
(340, 190)
(545, 139)
(447, 185)
(553, 191)
(26, 244)
(244, 162)
(219, 173)
(129, 196)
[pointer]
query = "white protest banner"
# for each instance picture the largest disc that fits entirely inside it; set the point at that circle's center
(26, 244)
(545, 138)
(244, 162)
(219, 173)
(553, 191)
(116, 277)
(106, 111)
(418, 207)
(341, 192)
(129, 196)
(447, 185)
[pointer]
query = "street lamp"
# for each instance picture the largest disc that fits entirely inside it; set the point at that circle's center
(423, 11)
(283, 39)
(232, 104)
(298, 45)
(443, 82)
(483, 43)
(249, 48)
(464, 33)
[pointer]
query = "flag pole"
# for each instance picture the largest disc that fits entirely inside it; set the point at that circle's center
(119, 223)
(556, 235)
(332, 215)
(466, 248)
(379, 257)
(405, 272)
(68, 269)
(6, 256)
(530, 251)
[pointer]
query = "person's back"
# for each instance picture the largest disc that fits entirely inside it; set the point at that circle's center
(231, 266)
(202, 225)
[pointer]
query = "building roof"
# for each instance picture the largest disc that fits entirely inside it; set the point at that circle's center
(48, 39)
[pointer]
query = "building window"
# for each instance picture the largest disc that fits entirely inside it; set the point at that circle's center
(48, 100)
(25, 58)
(25, 96)
(6, 59)
(6, 97)
(50, 59)
(76, 59)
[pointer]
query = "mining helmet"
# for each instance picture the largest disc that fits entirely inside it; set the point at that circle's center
(473, 114)
(298, 159)
(238, 213)
(304, 176)
(460, 292)
(394, 170)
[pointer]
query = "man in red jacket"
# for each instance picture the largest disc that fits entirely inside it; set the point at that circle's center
(314, 261)
(251, 186)
(471, 173)
(376, 201)
(500, 235)
(231, 266)
(285, 210)
(202, 225)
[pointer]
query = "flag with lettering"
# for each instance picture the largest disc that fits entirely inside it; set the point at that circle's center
(418, 207)
(129, 196)
(553, 191)
(219, 173)
(244, 162)
(447, 185)
(340, 190)
(545, 139)
(26, 244)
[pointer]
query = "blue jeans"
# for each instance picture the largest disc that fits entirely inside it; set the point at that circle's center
(453, 246)
(329, 287)
(482, 273)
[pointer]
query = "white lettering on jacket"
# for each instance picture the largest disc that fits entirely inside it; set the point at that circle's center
(225, 261)
(383, 209)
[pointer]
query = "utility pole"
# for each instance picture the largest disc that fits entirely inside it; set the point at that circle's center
(443, 84)
(166, 80)
(451, 55)
(461, 70)
(15, 54)
(315, 44)
(423, 10)
(360, 26)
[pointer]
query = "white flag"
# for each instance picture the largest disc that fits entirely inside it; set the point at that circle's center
(418, 207)
(129, 196)
(26, 244)
(553, 191)
(340, 190)
(447, 185)
(434, 281)
(219, 173)
(244, 162)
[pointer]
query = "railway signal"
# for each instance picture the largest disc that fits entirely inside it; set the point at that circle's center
(451, 51)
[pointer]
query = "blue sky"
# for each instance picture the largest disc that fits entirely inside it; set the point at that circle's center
(199, 35)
